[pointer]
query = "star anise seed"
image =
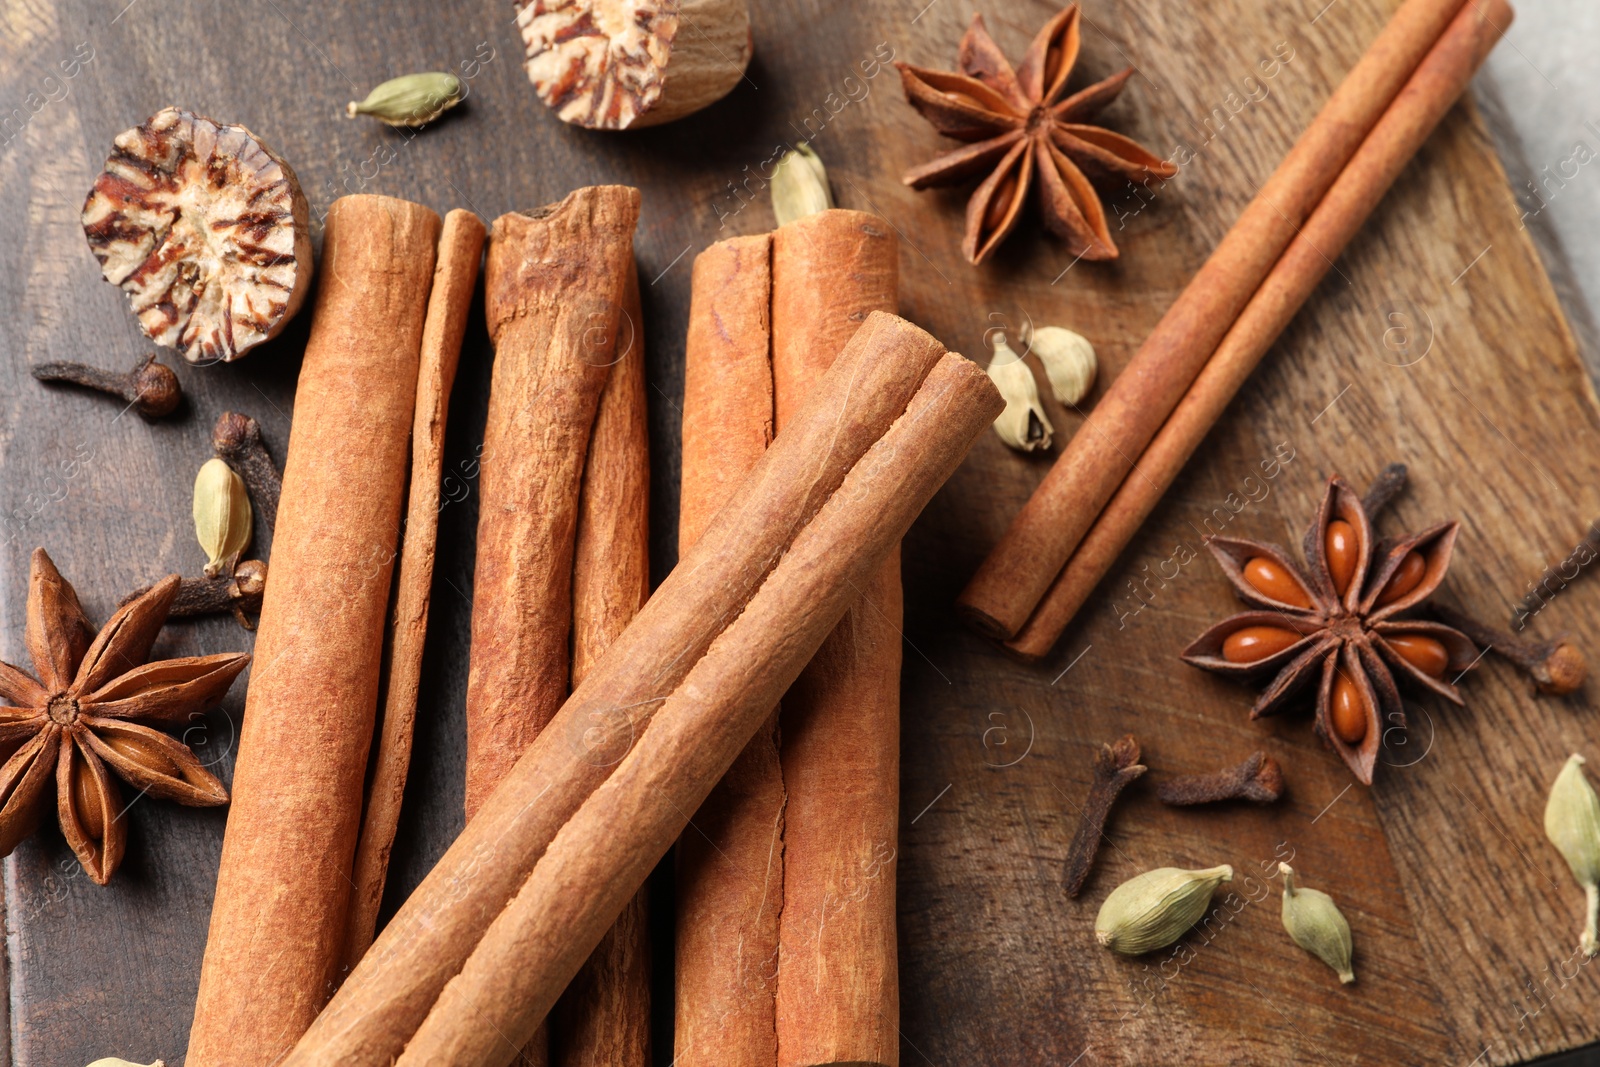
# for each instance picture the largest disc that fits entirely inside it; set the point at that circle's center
(1020, 130)
(1342, 622)
(87, 719)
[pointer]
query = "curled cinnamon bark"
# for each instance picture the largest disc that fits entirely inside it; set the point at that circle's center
(279, 921)
(554, 289)
(730, 863)
(838, 997)
(454, 278)
(603, 1019)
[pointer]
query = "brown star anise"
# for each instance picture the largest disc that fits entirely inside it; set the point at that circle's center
(81, 719)
(1020, 126)
(1345, 625)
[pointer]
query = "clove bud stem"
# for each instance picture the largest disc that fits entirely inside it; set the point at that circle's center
(1557, 667)
(1259, 779)
(236, 440)
(1115, 765)
(1384, 488)
(150, 388)
(238, 594)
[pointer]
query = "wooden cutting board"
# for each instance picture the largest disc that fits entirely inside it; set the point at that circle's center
(1436, 341)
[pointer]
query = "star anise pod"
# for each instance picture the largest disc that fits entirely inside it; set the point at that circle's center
(1020, 128)
(1343, 622)
(81, 720)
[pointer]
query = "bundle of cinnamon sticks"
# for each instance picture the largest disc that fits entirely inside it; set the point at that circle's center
(563, 567)
(1176, 386)
(478, 955)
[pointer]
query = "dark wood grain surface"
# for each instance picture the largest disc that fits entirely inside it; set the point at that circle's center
(1436, 340)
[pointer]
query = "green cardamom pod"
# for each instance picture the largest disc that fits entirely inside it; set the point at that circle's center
(799, 185)
(1316, 924)
(1572, 823)
(221, 516)
(1022, 423)
(1153, 909)
(1069, 362)
(410, 100)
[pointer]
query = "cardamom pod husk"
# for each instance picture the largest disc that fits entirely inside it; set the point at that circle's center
(1316, 924)
(1154, 909)
(1069, 362)
(221, 516)
(410, 100)
(1572, 823)
(799, 185)
(1023, 424)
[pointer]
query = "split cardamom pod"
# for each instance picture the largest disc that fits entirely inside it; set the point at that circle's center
(1316, 924)
(1023, 424)
(1154, 909)
(1069, 362)
(799, 185)
(410, 100)
(221, 516)
(1572, 823)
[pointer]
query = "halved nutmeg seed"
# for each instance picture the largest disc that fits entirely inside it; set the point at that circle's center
(1344, 553)
(205, 229)
(1271, 579)
(619, 64)
(1252, 643)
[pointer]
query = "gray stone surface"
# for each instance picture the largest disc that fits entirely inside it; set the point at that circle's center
(1541, 94)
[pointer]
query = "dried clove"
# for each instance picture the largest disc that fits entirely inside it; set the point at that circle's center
(151, 388)
(1259, 779)
(1557, 667)
(238, 594)
(236, 440)
(1115, 765)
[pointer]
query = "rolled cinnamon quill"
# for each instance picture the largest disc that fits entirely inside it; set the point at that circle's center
(730, 864)
(1431, 91)
(553, 294)
(1017, 573)
(602, 854)
(838, 995)
(455, 276)
(388, 994)
(603, 1019)
(279, 922)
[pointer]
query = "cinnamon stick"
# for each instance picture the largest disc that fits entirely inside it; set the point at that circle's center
(603, 1019)
(279, 920)
(455, 275)
(1435, 86)
(384, 999)
(838, 989)
(553, 291)
(730, 862)
(602, 854)
(1013, 579)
